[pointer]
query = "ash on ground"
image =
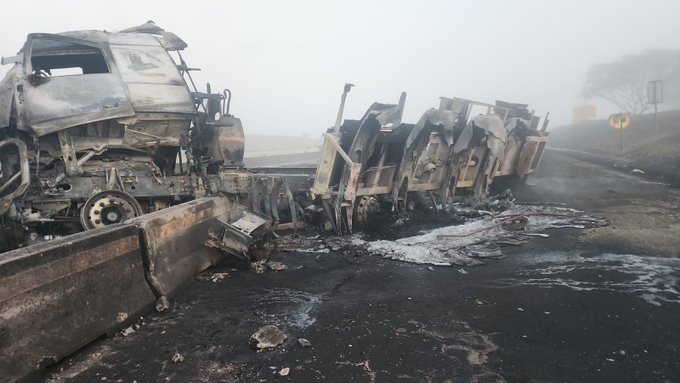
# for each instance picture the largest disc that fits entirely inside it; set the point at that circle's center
(463, 237)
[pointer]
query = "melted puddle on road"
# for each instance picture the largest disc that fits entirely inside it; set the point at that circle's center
(654, 279)
(466, 244)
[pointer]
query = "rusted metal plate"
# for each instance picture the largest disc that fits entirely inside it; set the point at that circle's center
(173, 241)
(58, 296)
(526, 157)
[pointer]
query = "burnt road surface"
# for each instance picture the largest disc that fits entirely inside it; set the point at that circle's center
(593, 305)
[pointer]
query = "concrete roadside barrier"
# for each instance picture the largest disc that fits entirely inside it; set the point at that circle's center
(173, 241)
(57, 296)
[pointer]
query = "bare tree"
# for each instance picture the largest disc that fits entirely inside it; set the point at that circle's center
(624, 82)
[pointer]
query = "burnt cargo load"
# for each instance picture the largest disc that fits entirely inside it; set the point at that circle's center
(98, 127)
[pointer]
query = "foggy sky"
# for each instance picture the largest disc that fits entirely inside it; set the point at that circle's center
(286, 61)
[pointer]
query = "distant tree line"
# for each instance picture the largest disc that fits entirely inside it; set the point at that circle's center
(623, 82)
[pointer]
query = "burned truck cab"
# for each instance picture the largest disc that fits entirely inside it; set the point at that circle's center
(97, 127)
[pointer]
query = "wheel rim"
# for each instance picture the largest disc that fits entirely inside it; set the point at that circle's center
(107, 208)
(366, 209)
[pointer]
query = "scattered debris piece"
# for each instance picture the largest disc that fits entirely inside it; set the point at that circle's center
(515, 223)
(121, 317)
(486, 250)
(258, 266)
(637, 171)
(292, 243)
(542, 235)
(177, 358)
(337, 243)
(513, 241)
(276, 266)
(127, 331)
(219, 245)
(162, 304)
(304, 343)
(212, 277)
(267, 337)
(284, 371)
(371, 374)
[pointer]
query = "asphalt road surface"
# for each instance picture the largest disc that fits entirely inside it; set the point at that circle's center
(593, 305)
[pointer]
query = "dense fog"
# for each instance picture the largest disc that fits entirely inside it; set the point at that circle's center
(286, 61)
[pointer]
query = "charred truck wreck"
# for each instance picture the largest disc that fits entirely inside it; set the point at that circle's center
(97, 128)
(120, 181)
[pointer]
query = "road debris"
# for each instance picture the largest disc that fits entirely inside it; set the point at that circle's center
(284, 371)
(121, 317)
(162, 304)
(258, 266)
(177, 358)
(276, 266)
(515, 223)
(372, 375)
(267, 337)
(127, 331)
(212, 277)
(304, 343)
(512, 241)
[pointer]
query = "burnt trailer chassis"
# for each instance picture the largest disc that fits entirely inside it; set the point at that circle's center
(130, 151)
(380, 163)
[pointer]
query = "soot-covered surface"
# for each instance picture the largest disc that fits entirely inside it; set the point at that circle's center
(581, 305)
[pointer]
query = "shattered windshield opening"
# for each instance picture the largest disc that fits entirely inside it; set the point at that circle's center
(57, 58)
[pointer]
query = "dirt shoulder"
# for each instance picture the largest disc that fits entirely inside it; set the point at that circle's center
(644, 215)
(644, 147)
